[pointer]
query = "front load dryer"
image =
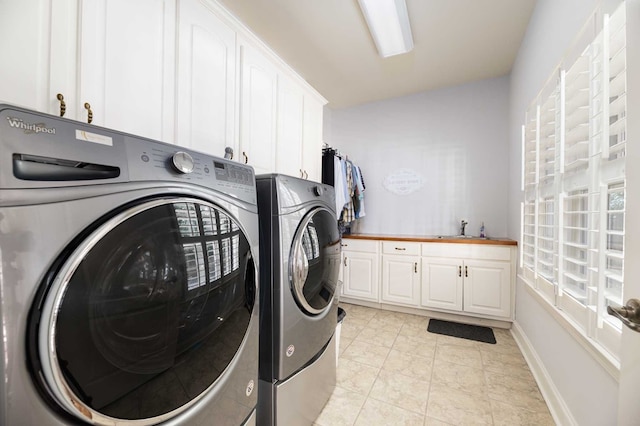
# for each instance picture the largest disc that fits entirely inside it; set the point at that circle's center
(299, 266)
(128, 279)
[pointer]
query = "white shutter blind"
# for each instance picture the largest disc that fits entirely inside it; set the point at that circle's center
(574, 245)
(573, 214)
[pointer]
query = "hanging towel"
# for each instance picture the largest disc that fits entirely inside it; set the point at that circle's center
(359, 193)
(348, 214)
(340, 185)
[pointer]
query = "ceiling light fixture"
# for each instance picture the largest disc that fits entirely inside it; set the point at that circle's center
(388, 23)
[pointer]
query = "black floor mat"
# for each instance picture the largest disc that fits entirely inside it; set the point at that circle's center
(464, 331)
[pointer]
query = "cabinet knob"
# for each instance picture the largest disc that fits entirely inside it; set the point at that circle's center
(246, 157)
(89, 112)
(63, 105)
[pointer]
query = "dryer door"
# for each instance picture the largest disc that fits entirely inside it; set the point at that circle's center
(315, 261)
(147, 313)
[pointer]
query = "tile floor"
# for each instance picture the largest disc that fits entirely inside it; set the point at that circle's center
(391, 371)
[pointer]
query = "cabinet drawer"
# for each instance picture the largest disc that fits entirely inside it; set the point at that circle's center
(401, 247)
(367, 246)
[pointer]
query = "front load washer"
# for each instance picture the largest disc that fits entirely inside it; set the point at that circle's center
(128, 279)
(299, 264)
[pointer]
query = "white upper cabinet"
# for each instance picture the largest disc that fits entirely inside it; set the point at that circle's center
(258, 94)
(206, 80)
(127, 66)
(180, 71)
(299, 135)
(38, 44)
(312, 139)
(290, 133)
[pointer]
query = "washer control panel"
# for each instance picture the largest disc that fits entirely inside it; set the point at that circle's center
(45, 151)
(149, 160)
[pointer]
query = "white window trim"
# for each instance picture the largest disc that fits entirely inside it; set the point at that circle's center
(597, 351)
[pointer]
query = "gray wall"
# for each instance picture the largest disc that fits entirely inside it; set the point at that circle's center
(589, 393)
(453, 140)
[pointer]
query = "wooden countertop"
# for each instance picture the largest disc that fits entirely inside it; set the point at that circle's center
(434, 239)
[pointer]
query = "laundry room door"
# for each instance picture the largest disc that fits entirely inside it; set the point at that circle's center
(147, 312)
(315, 261)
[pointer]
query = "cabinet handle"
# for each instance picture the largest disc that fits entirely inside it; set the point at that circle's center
(246, 157)
(345, 261)
(344, 245)
(63, 105)
(466, 272)
(306, 175)
(301, 174)
(459, 271)
(89, 112)
(400, 248)
(415, 267)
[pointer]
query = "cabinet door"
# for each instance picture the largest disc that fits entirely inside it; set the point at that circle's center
(360, 275)
(442, 283)
(127, 64)
(401, 280)
(257, 110)
(38, 41)
(312, 140)
(290, 128)
(206, 81)
(487, 287)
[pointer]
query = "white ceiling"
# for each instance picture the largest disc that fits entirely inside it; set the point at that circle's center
(328, 43)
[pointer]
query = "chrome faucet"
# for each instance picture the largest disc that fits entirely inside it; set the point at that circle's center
(463, 223)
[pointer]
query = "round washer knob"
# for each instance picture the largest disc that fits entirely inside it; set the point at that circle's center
(318, 190)
(183, 162)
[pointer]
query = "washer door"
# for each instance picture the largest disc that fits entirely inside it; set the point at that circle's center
(147, 312)
(315, 261)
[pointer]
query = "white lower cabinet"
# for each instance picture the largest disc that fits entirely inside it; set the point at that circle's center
(468, 279)
(473, 286)
(401, 279)
(442, 283)
(487, 288)
(360, 270)
(401, 273)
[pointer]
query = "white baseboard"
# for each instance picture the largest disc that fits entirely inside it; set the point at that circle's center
(462, 317)
(557, 407)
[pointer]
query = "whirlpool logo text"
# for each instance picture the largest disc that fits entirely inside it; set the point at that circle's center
(28, 128)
